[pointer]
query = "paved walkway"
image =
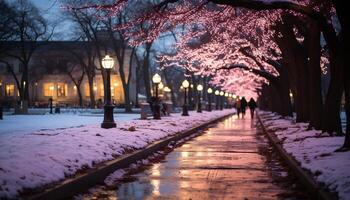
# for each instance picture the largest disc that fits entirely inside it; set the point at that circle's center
(226, 162)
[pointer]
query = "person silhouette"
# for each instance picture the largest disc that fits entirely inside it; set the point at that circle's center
(252, 105)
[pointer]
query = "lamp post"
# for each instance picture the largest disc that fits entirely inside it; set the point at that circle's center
(185, 85)
(222, 100)
(108, 119)
(209, 98)
(217, 99)
(156, 80)
(199, 89)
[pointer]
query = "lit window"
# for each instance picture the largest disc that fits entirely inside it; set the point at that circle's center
(49, 89)
(61, 89)
(87, 90)
(102, 91)
(10, 90)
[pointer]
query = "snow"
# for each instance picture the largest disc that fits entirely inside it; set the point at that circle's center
(314, 150)
(10, 123)
(36, 158)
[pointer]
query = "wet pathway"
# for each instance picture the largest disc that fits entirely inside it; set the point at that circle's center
(229, 161)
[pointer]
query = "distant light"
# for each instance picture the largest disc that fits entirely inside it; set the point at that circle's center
(217, 92)
(115, 84)
(210, 90)
(185, 84)
(156, 78)
(107, 62)
(222, 93)
(161, 85)
(199, 87)
(191, 85)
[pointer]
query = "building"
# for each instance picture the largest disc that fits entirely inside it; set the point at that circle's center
(49, 75)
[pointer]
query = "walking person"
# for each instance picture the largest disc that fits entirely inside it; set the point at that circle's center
(252, 105)
(243, 106)
(238, 106)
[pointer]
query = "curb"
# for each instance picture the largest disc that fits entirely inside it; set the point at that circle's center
(316, 190)
(72, 186)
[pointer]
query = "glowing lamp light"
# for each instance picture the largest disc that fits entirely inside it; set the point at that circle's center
(161, 85)
(181, 87)
(226, 94)
(156, 78)
(291, 94)
(191, 85)
(107, 62)
(51, 88)
(210, 90)
(199, 87)
(230, 95)
(234, 96)
(240, 98)
(74, 87)
(166, 89)
(222, 93)
(115, 84)
(217, 92)
(185, 84)
(95, 88)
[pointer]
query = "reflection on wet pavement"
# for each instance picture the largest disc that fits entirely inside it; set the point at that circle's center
(229, 161)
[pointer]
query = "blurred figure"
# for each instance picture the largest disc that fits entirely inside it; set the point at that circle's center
(243, 106)
(252, 105)
(238, 106)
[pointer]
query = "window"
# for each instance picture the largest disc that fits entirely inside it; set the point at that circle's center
(48, 89)
(102, 91)
(62, 89)
(10, 90)
(87, 90)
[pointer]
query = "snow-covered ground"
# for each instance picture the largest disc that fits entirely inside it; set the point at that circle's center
(36, 158)
(314, 150)
(21, 124)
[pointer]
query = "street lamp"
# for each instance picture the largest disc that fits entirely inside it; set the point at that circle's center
(185, 85)
(222, 100)
(217, 99)
(199, 89)
(156, 80)
(209, 98)
(108, 120)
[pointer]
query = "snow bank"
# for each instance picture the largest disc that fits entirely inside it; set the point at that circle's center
(37, 158)
(314, 151)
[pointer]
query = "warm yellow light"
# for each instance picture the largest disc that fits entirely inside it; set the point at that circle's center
(185, 84)
(222, 93)
(226, 94)
(115, 84)
(210, 90)
(230, 95)
(112, 87)
(51, 88)
(234, 96)
(199, 87)
(75, 87)
(291, 94)
(240, 98)
(181, 87)
(217, 92)
(95, 88)
(166, 89)
(107, 62)
(161, 85)
(191, 85)
(156, 78)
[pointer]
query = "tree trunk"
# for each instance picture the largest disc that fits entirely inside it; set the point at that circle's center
(91, 90)
(314, 71)
(145, 69)
(80, 96)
